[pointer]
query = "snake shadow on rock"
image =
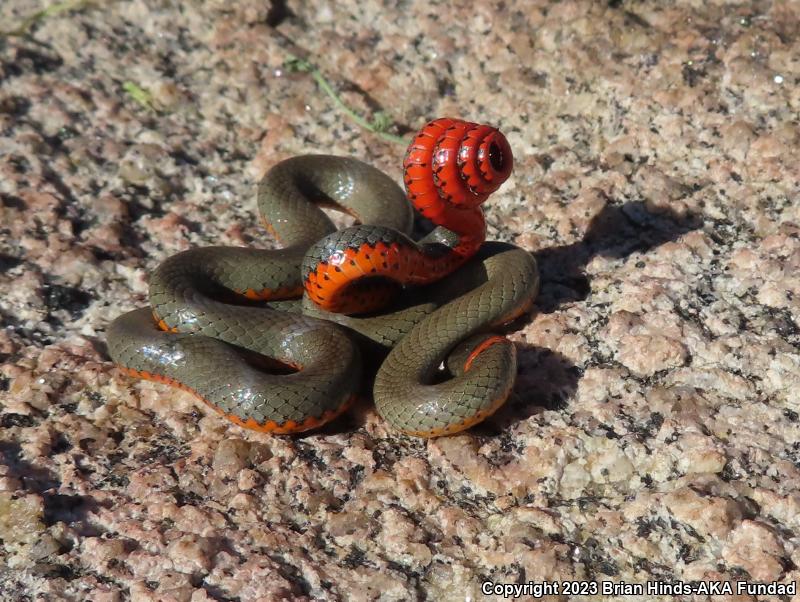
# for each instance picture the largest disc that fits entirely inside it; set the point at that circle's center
(617, 231)
(547, 380)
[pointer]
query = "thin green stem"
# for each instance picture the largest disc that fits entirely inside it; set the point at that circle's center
(377, 126)
(139, 94)
(54, 9)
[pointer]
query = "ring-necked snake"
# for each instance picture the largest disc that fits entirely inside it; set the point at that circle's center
(291, 365)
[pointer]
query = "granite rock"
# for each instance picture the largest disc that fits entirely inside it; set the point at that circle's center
(653, 431)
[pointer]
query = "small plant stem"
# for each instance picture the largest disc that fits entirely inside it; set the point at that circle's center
(40, 15)
(296, 64)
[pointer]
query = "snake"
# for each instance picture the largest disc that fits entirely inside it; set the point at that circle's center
(277, 340)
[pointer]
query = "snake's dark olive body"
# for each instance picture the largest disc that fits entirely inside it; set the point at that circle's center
(502, 287)
(194, 337)
(208, 364)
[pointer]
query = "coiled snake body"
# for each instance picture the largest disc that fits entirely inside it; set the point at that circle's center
(195, 337)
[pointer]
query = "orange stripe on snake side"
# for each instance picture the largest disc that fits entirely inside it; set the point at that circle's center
(269, 426)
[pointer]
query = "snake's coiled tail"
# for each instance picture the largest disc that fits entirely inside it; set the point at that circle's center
(454, 161)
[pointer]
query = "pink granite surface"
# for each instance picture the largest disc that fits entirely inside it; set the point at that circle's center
(653, 432)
